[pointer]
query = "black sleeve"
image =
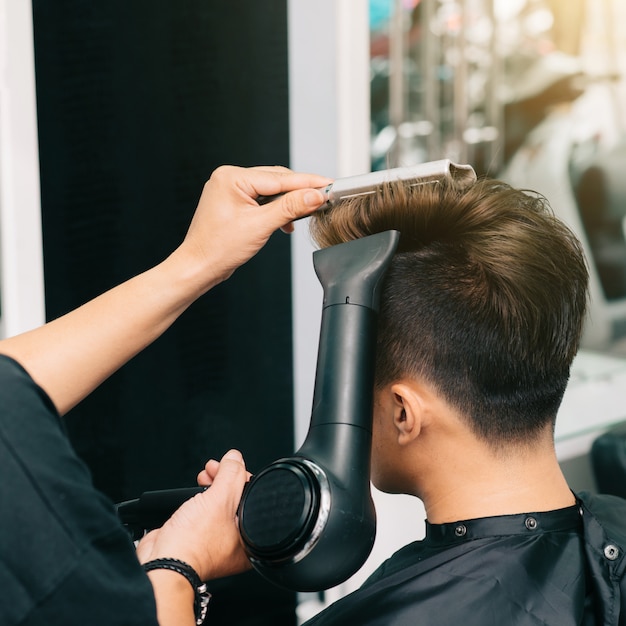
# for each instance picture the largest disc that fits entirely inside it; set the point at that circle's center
(64, 557)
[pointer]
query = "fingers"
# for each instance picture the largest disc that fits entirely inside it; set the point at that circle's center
(298, 202)
(273, 180)
(206, 476)
(274, 168)
(231, 473)
(266, 180)
(269, 181)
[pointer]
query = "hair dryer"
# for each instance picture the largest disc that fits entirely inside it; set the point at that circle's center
(308, 521)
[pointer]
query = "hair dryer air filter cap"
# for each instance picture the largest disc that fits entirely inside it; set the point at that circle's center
(279, 510)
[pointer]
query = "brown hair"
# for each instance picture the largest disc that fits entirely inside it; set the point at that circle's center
(485, 298)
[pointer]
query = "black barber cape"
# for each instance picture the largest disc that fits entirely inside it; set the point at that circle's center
(558, 568)
(64, 557)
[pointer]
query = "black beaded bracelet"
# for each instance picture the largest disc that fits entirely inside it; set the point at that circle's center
(202, 596)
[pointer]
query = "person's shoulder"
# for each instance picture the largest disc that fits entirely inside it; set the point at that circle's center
(604, 507)
(399, 560)
(608, 511)
(604, 522)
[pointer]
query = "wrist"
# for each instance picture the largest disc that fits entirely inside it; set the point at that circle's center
(175, 583)
(193, 275)
(178, 589)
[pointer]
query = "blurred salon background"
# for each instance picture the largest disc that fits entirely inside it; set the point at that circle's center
(531, 91)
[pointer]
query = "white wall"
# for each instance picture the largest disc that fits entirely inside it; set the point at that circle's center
(329, 129)
(21, 255)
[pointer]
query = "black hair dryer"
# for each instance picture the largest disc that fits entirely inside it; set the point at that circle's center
(308, 521)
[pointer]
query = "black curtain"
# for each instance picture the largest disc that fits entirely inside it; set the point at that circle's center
(138, 101)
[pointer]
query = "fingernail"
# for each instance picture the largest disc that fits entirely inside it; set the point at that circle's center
(233, 455)
(313, 198)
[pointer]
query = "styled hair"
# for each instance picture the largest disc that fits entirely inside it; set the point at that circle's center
(485, 298)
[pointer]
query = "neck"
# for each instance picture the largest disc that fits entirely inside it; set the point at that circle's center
(485, 484)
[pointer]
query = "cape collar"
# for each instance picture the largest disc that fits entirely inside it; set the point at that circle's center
(567, 519)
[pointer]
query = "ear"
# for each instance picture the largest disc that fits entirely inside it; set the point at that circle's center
(409, 411)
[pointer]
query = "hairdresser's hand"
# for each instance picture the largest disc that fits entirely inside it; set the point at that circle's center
(229, 226)
(203, 532)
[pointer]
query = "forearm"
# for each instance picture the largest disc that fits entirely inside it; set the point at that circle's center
(72, 355)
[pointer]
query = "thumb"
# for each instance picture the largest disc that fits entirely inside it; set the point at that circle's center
(297, 204)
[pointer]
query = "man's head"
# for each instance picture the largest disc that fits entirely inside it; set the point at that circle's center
(484, 300)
